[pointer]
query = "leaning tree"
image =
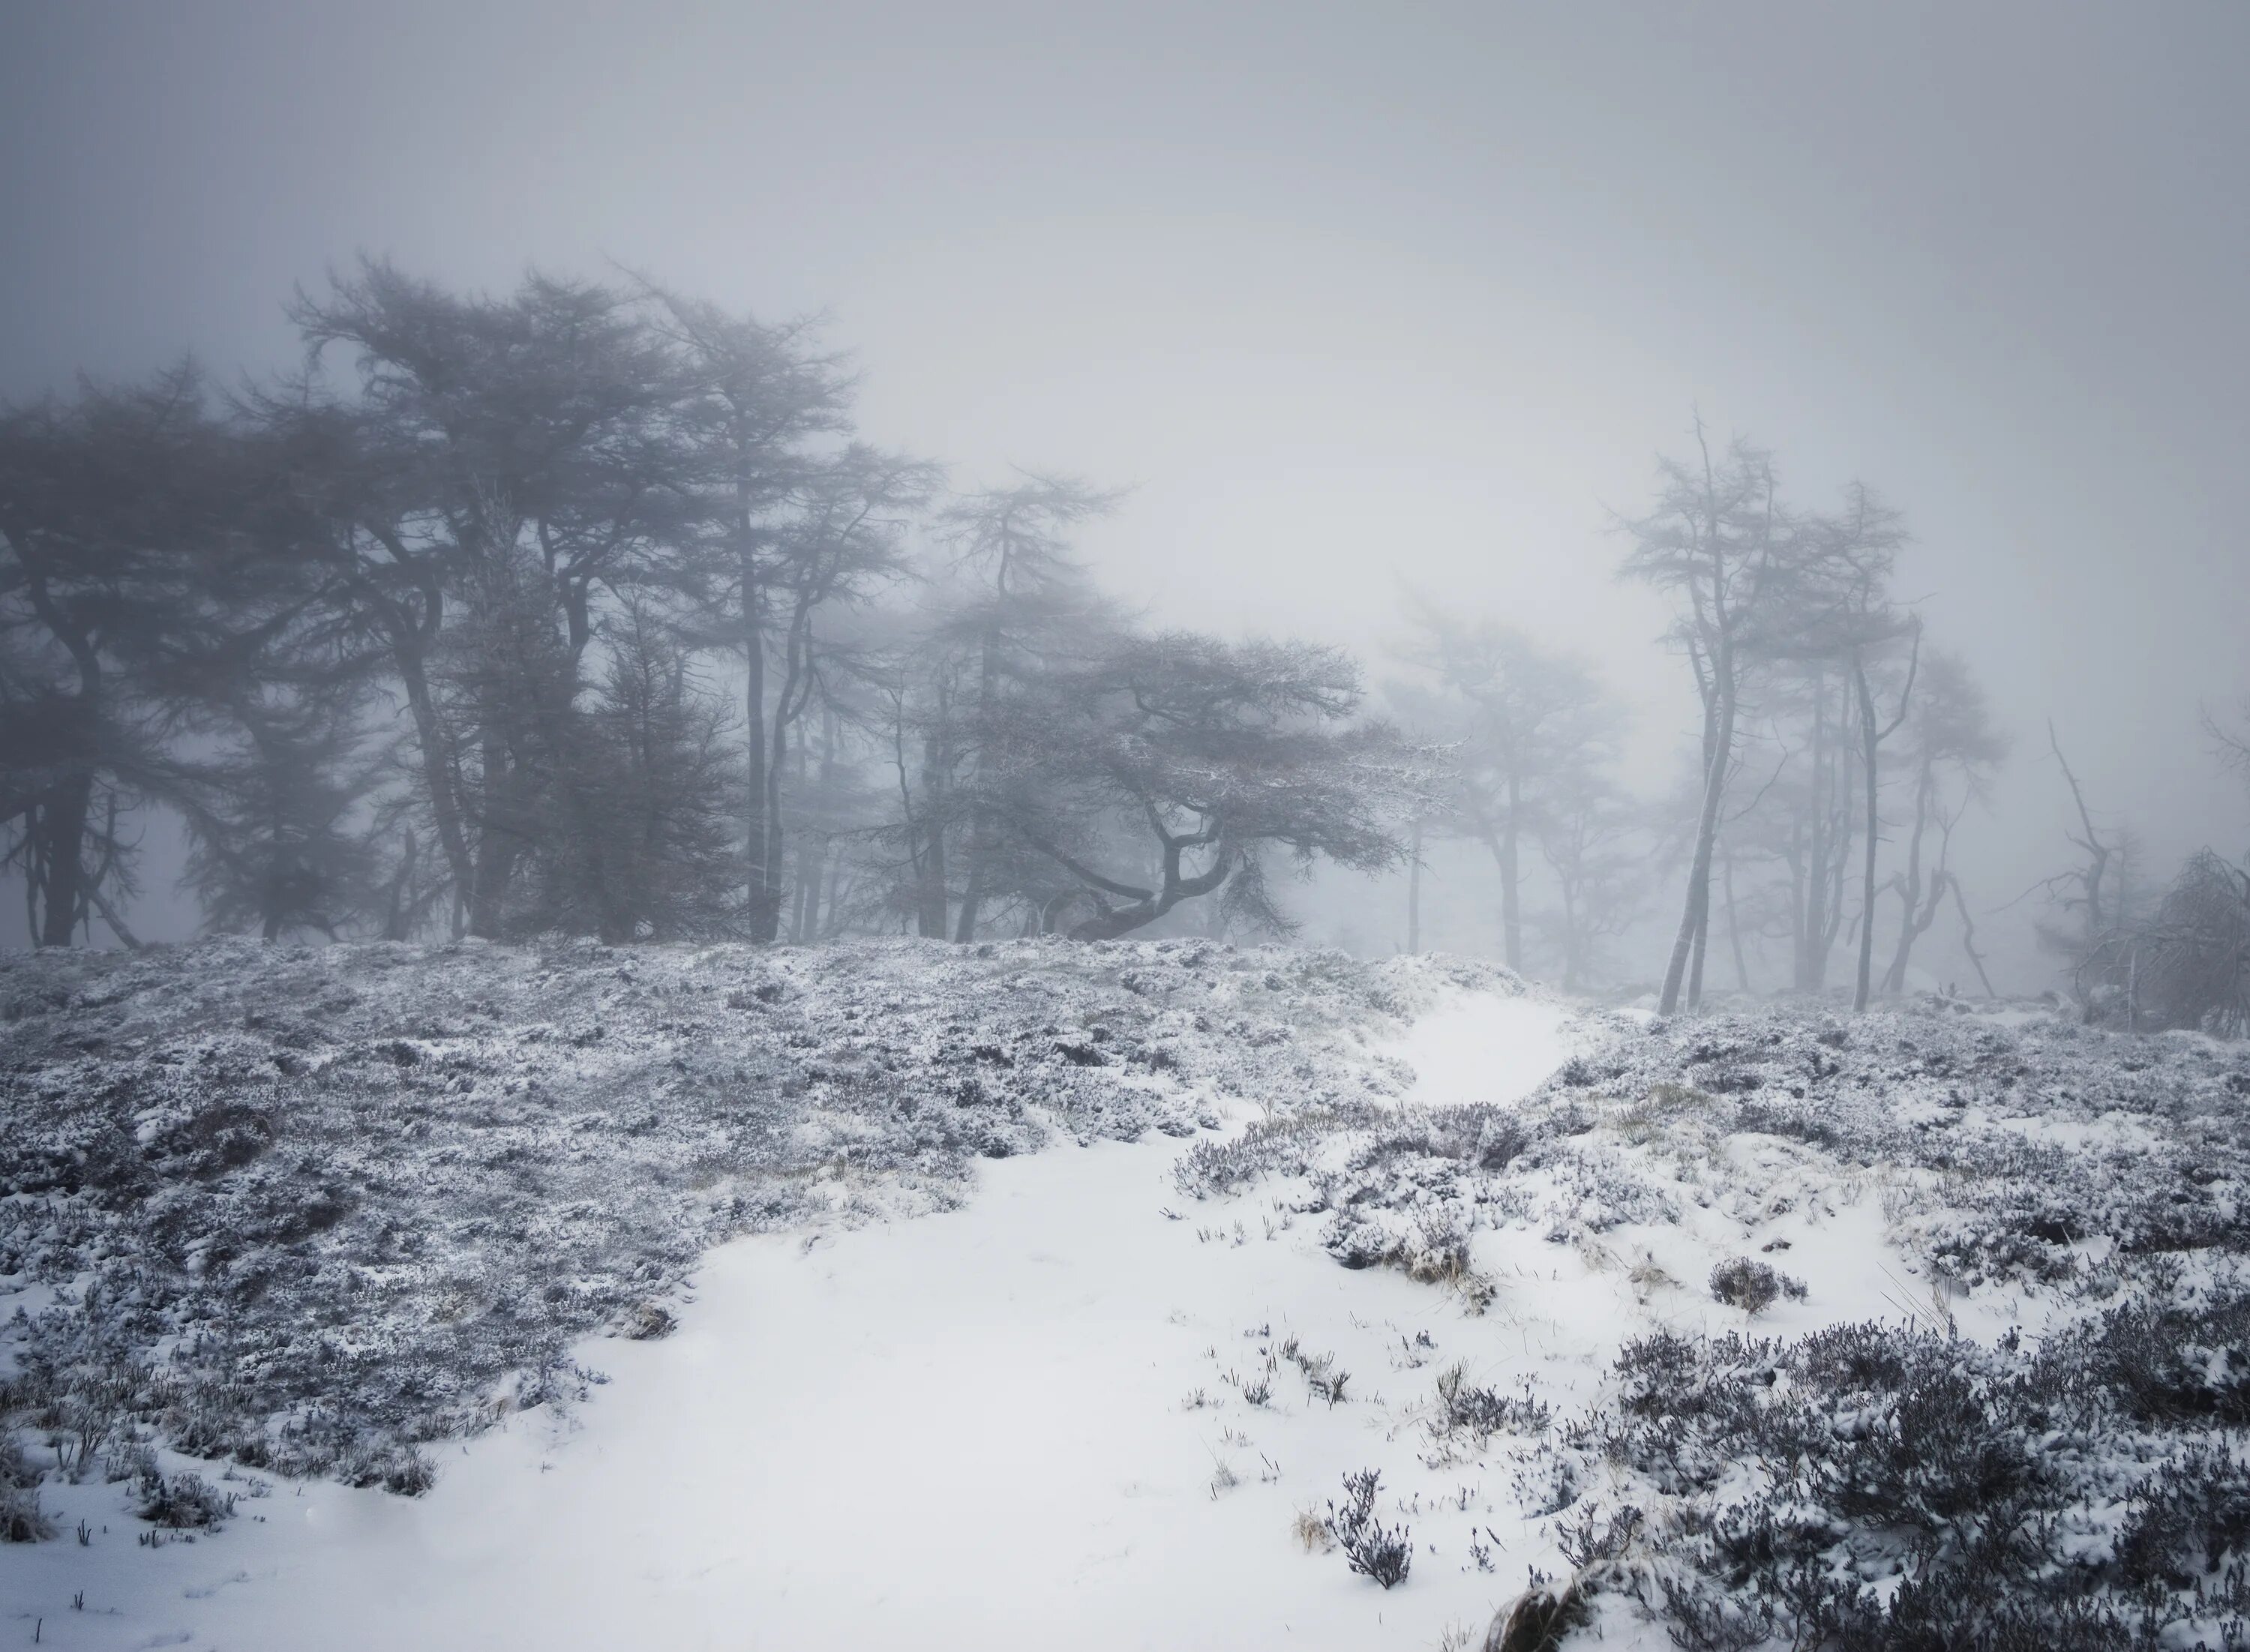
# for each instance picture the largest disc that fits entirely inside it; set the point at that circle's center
(1173, 767)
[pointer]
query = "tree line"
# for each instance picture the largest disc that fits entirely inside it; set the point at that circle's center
(1818, 700)
(585, 609)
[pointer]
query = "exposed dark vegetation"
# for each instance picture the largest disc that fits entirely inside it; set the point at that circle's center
(1751, 1286)
(370, 1196)
(1373, 1549)
(1868, 1486)
(1887, 1486)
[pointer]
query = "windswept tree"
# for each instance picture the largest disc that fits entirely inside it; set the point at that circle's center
(1592, 837)
(130, 542)
(1720, 544)
(1523, 721)
(2192, 959)
(788, 528)
(1952, 751)
(505, 467)
(843, 542)
(1860, 545)
(1201, 761)
(1014, 543)
(2093, 946)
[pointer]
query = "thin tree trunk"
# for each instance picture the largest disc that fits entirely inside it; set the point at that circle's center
(438, 780)
(110, 916)
(1871, 743)
(1915, 914)
(757, 846)
(1969, 934)
(930, 904)
(1706, 832)
(62, 824)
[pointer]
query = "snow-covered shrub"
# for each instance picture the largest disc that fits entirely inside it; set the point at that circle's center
(1373, 1549)
(1463, 1406)
(21, 1520)
(2175, 1361)
(367, 1196)
(181, 1502)
(1880, 1486)
(1739, 1282)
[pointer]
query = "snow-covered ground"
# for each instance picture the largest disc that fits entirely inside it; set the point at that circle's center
(1005, 1425)
(1093, 1275)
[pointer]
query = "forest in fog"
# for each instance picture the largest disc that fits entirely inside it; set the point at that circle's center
(1382, 829)
(583, 610)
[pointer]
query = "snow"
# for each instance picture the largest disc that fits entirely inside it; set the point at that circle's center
(963, 1429)
(1072, 1402)
(1477, 1047)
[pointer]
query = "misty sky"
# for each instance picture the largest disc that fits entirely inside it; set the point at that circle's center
(1355, 295)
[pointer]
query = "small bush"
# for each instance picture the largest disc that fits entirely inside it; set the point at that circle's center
(183, 1502)
(1463, 1406)
(1752, 1286)
(21, 1520)
(1886, 1488)
(1373, 1549)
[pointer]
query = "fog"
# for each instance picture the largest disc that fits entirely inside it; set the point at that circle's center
(1355, 301)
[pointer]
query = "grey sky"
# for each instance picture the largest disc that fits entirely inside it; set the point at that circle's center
(1354, 293)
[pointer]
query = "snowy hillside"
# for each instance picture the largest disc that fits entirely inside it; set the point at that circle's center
(1034, 1294)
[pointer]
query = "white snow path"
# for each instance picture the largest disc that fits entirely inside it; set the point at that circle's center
(974, 1430)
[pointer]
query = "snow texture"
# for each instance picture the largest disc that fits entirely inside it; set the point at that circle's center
(756, 1321)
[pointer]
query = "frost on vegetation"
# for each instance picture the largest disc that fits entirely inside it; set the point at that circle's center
(1373, 1549)
(1864, 1486)
(312, 1209)
(1874, 1486)
(1465, 1407)
(2042, 1156)
(1753, 1287)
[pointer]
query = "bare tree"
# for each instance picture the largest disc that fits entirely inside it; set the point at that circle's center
(1016, 538)
(129, 546)
(1589, 835)
(1720, 543)
(1950, 734)
(1201, 759)
(759, 399)
(1526, 716)
(2196, 950)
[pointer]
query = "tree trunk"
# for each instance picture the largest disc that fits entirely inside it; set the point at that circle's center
(930, 892)
(758, 848)
(62, 830)
(496, 843)
(1915, 914)
(1707, 833)
(1870, 747)
(1969, 935)
(438, 778)
(1573, 946)
(1734, 926)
